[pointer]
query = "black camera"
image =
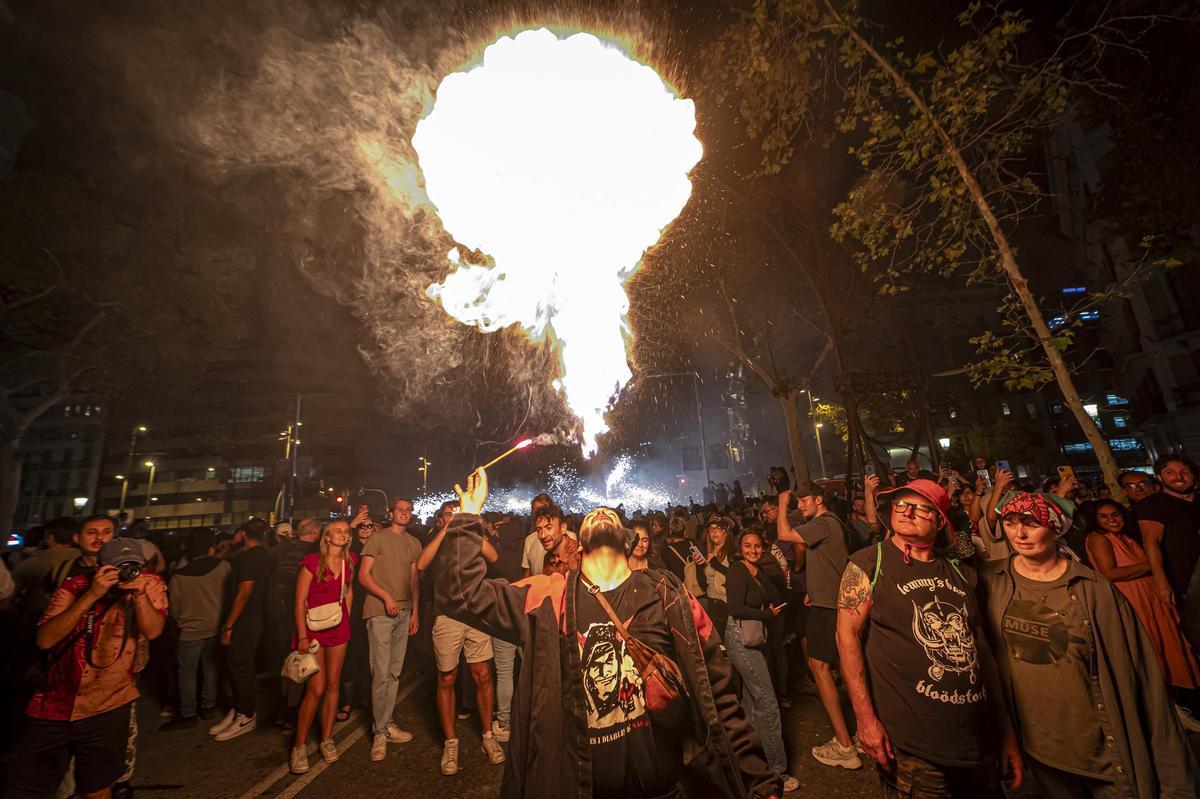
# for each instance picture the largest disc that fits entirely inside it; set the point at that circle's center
(128, 571)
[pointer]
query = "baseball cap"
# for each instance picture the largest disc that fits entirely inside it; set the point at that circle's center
(928, 489)
(284, 530)
(120, 551)
(809, 490)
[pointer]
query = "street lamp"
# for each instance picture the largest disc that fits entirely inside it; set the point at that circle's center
(150, 487)
(423, 468)
(139, 428)
(816, 432)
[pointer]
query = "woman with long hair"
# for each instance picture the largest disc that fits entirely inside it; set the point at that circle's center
(718, 540)
(326, 577)
(356, 671)
(1118, 555)
(754, 601)
(1088, 700)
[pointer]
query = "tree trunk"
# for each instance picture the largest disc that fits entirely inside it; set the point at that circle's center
(10, 484)
(1008, 261)
(792, 417)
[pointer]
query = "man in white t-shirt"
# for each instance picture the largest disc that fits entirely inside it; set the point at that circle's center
(533, 556)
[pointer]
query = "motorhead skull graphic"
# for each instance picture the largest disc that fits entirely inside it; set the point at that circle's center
(946, 637)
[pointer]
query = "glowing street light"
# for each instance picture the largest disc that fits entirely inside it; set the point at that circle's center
(150, 487)
(133, 434)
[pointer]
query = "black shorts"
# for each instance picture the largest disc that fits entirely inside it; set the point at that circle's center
(822, 635)
(39, 760)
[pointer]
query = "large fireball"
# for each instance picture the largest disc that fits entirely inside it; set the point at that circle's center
(563, 160)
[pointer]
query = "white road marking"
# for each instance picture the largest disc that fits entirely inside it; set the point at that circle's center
(357, 731)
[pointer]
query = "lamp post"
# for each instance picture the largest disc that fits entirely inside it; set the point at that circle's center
(293, 437)
(150, 486)
(423, 468)
(699, 418)
(140, 428)
(816, 432)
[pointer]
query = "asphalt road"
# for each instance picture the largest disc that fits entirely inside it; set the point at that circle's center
(189, 765)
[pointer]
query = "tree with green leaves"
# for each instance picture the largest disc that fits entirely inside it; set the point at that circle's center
(941, 140)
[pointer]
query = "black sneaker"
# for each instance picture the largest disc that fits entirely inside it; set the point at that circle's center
(122, 790)
(180, 723)
(207, 713)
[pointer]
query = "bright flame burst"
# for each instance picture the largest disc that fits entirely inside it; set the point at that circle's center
(563, 160)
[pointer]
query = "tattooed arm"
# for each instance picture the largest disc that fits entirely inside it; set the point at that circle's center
(854, 608)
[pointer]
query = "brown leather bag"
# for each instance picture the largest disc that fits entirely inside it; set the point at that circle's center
(662, 680)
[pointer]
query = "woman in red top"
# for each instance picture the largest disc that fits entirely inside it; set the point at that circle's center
(325, 577)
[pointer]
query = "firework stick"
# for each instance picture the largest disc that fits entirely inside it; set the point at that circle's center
(494, 461)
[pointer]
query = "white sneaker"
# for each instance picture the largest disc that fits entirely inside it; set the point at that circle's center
(241, 725)
(395, 735)
(491, 748)
(450, 757)
(1189, 722)
(329, 752)
(299, 761)
(501, 734)
(832, 753)
(223, 723)
(790, 783)
(379, 746)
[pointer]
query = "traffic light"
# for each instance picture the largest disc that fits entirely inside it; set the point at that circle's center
(339, 499)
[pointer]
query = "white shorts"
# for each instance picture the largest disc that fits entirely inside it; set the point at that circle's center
(450, 638)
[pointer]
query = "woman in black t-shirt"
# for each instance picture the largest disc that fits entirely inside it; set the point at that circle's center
(753, 601)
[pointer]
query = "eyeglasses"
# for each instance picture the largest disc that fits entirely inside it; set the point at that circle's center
(903, 506)
(367, 526)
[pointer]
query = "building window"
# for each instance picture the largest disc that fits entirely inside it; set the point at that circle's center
(246, 474)
(1115, 399)
(953, 413)
(1120, 421)
(1031, 412)
(1075, 290)
(1089, 316)
(1082, 446)
(1124, 444)
(692, 460)
(1056, 408)
(1057, 322)
(1005, 409)
(718, 456)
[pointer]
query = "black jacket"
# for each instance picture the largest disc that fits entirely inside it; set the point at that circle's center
(549, 754)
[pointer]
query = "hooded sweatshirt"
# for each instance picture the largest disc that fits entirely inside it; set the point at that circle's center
(197, 597)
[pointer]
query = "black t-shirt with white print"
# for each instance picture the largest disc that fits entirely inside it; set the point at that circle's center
(631, 757)
(922, 662)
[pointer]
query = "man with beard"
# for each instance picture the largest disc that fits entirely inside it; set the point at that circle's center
(562, 551)
(597, 730)
(1170, 525)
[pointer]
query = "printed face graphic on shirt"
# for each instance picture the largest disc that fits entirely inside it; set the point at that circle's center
(943, 631)
(610, 680)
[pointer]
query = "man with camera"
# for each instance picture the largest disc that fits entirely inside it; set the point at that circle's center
(82, 708)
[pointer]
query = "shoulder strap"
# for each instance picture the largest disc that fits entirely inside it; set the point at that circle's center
(954, 565)
(595, 591)
(878, 565)
(59, 575)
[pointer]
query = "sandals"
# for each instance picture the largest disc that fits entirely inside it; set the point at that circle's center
(343, 714)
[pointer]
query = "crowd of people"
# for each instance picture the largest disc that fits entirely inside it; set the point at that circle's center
(963, 635)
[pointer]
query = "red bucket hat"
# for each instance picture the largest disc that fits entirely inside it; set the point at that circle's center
(930, 491)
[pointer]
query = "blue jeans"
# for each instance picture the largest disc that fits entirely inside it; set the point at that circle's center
(758, 696)
(196, 656)
(505, 656)
(387, 639)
